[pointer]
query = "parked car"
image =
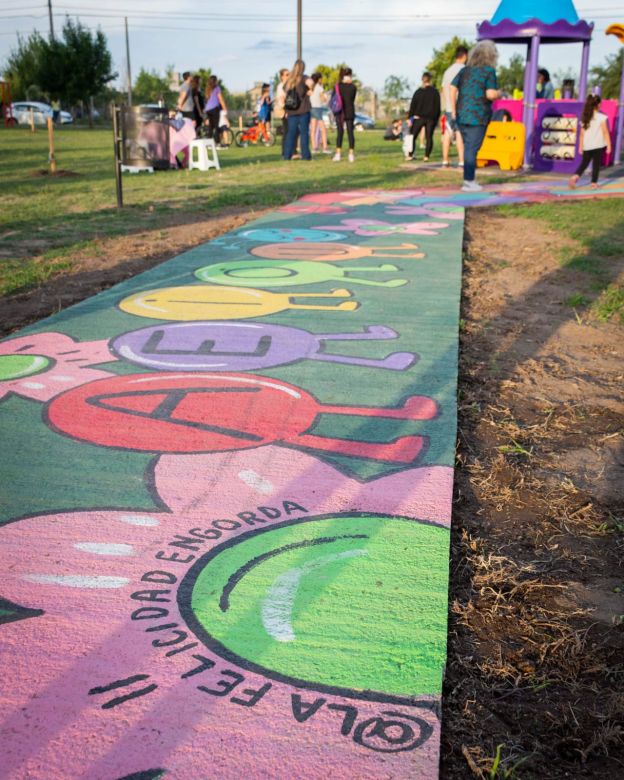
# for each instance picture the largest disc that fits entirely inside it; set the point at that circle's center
(362, 121)
(41, 112)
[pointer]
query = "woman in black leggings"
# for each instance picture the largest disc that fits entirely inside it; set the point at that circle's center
(346, 117)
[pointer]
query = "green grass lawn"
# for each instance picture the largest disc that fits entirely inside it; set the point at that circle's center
(597, 227)
(42, 219)
(45, 220)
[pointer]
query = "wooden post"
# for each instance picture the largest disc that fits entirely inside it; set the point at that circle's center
(117, 141)
(32, 121)
(240, 122)
(51, 157)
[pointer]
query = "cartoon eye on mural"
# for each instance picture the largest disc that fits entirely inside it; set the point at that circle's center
(289, 235)
(244, 346)
(204, 302)
(373, 228)
(326, 252)
(273, 581)
(45, 364)
(177, 412)
(281, 273)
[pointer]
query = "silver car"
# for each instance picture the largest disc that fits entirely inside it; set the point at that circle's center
(40, 113)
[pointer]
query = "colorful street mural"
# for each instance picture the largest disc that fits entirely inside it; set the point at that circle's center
(225, 497)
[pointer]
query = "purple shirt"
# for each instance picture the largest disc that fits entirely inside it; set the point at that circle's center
(213, 100)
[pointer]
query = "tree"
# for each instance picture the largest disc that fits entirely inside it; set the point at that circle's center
(444, 57)
(396, 89)
(608, 76)
(74, 68)
(89, 63)
(331, 73)
(151, 87)
(23, 69)
(511, 76)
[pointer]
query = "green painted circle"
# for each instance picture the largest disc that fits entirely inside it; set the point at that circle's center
(18, 366)
(303, 601)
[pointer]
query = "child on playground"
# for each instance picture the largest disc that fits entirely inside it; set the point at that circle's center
(593, 141)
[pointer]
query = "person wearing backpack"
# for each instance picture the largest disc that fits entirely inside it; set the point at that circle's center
(297, 105)
(342, 105)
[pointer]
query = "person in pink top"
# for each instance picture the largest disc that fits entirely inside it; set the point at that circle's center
(213, 106)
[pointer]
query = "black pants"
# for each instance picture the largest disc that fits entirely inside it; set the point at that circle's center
(340, 126)
(429, 125)
(213, 123)
(594, 156)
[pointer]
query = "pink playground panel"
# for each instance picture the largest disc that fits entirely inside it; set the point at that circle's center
(515, 108)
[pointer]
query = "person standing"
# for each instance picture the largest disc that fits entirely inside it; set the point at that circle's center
(594, 140)
(213, 106)
(346, 118)
(425, 113)
(56, 111)
(317, 126)
(279, 112)
(198, 104)
(472, 91)
(450, 129)
(185, 98)
(297, 105)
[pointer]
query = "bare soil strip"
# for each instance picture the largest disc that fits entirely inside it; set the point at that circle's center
(536, 645)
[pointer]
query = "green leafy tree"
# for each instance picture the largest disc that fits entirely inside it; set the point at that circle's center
(23, 67)
(396, 90)
(444, 57)
(89, 63)
(609, 75)
(331, 73)
(72, 68)
(511, 76)
(151, 87)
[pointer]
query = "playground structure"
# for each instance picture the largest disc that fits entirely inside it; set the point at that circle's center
(618, 31)
(552, 126)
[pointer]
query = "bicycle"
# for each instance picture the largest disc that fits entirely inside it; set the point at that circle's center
(259, 133)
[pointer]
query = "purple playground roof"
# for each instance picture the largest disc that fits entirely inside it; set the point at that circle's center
(555, 22)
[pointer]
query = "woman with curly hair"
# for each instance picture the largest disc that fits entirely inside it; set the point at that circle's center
(472, 91)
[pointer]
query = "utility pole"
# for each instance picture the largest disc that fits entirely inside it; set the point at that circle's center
(299, 47)
(51, 20)
(128, 63)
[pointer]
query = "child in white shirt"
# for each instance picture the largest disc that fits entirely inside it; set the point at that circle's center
(594, 140)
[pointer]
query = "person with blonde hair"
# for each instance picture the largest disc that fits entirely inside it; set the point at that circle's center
(472, 91)
(297, 106)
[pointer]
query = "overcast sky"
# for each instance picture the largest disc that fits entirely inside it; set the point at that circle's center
(244, 41)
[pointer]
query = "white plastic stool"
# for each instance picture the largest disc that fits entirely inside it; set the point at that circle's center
(200, 158)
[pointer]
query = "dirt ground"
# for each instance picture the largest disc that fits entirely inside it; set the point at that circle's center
(536, 640)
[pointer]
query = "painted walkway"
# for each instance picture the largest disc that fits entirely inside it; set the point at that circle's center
(226, 493)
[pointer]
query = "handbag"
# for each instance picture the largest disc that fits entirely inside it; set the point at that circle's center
(335, 102)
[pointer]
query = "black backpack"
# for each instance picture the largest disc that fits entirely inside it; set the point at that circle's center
(292, 101)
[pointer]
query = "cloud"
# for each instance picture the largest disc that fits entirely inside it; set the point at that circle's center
(267, 44)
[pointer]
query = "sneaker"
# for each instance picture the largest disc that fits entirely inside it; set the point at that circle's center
(351, 157)
(336, 158)
(445, 163)
(460, 164)
(425, 159)
(471, 186)
(327, 151)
